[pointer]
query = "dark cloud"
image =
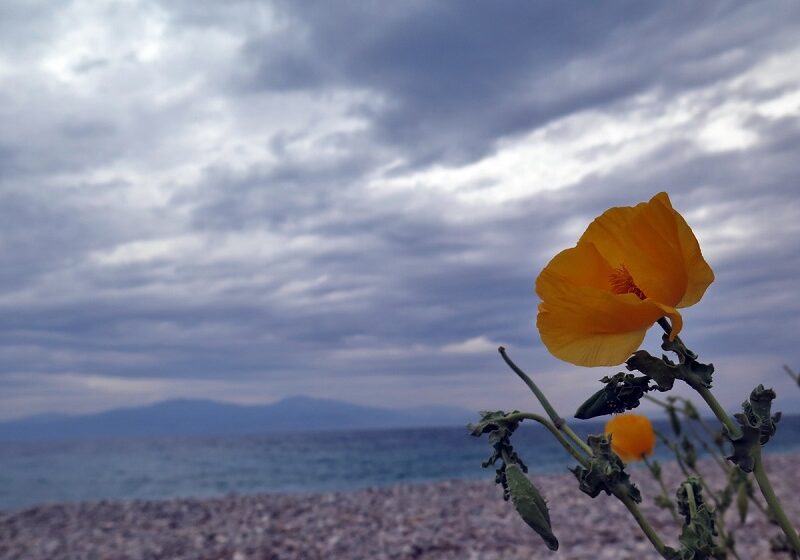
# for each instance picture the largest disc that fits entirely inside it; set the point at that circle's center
(454, 78)
(280, 198)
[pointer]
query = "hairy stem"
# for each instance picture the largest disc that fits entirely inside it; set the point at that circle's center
(690, 499)
(706, 395)
(659, 402)
(773, 504)
(664, 491)
(716, 408)
(557, 420)
(648, 530)
(790, 372)
(553, 430)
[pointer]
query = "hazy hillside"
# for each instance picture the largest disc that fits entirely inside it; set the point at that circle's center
(198, 417)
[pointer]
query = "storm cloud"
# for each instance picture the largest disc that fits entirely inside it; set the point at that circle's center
(352, 200)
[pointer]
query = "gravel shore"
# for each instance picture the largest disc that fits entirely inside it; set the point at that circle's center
(444, 520)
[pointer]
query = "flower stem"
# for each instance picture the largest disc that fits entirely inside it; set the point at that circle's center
(690, 499)
(706, 488)
(716, 408)
(702, 390)
(714, 453)
(773, 504)
(659, 402)
(557, 420)
(648, 530)
(553, 430)
(790, 372)
(663, 486)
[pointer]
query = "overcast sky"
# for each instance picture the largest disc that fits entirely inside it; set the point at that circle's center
(245, 201)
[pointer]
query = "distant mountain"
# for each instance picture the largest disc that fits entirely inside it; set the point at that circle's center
(183, 417)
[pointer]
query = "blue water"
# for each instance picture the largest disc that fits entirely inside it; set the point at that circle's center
(158, 468)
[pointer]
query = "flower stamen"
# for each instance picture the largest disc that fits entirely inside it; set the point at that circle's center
(622, 283)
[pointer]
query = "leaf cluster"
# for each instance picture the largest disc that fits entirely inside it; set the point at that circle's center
(698, 537)
(527, 500)
(757, 427)
(624, 391)
(605, 473)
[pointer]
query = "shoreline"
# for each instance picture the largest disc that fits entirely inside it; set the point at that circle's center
(451, 519)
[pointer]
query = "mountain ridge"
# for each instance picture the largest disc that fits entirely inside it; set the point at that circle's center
(185, 417)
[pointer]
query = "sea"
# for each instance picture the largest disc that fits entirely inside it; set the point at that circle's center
(33, 473)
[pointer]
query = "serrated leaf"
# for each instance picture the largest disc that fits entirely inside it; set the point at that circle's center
(491, 420)
(698, 537)
(757, 427)
(605, 473)
(659, 370)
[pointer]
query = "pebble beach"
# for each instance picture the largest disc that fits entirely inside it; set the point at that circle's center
(460, 520)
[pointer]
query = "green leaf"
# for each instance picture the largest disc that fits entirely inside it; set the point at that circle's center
(605, 473)
(664, 371)
(757, 427)
(492, 420)
(699, 531)
(660, 370)
(687, 361)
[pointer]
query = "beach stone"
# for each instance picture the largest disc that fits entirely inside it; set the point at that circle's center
(450, 520)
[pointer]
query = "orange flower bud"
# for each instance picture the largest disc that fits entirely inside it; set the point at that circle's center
(632, 436)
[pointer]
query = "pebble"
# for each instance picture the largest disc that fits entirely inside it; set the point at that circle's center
(451, 520)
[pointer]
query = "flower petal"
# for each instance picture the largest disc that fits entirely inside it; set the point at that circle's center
(656, 246)
(632, 266)
(591, 327)
(674, 317)
(698, 272)
(579, 266)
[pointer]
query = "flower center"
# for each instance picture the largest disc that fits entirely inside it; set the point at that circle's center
(622, 283)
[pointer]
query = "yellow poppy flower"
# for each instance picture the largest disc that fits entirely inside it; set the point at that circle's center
(633, 265)
(632, 436)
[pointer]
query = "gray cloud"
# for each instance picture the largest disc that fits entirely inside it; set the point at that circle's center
(259, 201)
(480, 72)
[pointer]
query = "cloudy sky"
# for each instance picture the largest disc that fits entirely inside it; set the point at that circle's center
(244, 201)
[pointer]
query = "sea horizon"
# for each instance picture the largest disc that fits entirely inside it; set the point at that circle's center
(153, 468)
